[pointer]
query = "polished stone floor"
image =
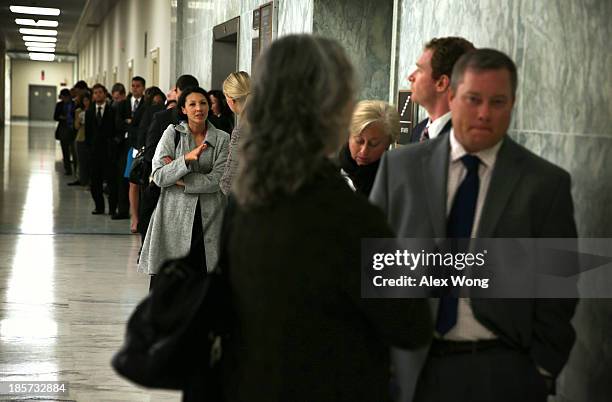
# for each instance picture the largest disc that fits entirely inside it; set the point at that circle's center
(68, 279)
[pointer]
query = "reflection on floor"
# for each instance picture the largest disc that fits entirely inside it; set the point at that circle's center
(68, 279)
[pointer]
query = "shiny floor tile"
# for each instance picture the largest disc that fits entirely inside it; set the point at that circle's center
(68, 280)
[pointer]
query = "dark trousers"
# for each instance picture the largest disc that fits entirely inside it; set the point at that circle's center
(149, 195)
(197, 251)
(67, 150)
(101, 170)
(83, 158)
(498, 374)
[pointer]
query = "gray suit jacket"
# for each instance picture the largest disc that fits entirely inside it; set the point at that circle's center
(528, 197)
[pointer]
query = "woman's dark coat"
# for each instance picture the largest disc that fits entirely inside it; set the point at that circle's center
(302, 332)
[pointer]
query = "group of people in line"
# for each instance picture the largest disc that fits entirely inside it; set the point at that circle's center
(308, 173)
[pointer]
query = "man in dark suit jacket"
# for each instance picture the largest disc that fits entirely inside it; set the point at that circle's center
(430, 82)
(129, 112)
(484, 350)
(99, 133)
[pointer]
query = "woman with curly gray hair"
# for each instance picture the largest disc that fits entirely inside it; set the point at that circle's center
(291, 244)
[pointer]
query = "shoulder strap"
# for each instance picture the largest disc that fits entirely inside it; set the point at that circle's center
(177, 138)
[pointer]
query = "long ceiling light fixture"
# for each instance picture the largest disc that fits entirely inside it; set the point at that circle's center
(39, 23)
(42, 56)
(48, 39)
(40, 49)
(35, 10)
(32, 31)
(41, 44)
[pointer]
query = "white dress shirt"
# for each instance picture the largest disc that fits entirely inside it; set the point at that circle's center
(102, 106)
(434, 127)
(467, 327)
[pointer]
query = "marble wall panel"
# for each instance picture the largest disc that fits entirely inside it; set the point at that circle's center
(566, 67)
(195, 22)
(295, 16)
(363, 28)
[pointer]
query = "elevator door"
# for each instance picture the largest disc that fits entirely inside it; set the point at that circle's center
(225, 51)
(41, 102)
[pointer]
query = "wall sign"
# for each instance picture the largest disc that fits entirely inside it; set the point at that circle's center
(409, 115)
(263, 30)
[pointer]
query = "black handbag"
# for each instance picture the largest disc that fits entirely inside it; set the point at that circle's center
(141, 169)
(175, 336)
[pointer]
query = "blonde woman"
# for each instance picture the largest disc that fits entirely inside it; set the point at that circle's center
(236, 88)
(374, 127)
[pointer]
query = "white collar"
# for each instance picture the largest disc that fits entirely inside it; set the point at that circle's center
(434, 127)
(487, 156)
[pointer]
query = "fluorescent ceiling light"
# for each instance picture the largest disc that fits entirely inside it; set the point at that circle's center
(32, 31)
(39, 23)
(39, 39)
(41, 44)
(42, 56)
(35, 10)
(41, 49)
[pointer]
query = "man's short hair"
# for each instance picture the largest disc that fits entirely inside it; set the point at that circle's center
(185, 81)
(118, 87)
(140, 79)
(100, 86)
(483, 60)
(445, 53)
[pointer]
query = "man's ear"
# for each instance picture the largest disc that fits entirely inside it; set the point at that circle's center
(443, 83)
(450, 95)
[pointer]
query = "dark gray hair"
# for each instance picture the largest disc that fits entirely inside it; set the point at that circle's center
(483, 60)
(298, 114)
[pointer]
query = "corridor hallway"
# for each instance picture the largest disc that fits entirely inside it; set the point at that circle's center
(68, 279)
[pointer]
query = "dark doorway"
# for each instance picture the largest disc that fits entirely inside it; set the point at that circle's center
(41, 102)
(225, 51)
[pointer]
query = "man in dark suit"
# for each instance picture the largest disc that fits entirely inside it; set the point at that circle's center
(430, 82)
(477, 182)
(99, 133)
(129, 111)
(159, 124)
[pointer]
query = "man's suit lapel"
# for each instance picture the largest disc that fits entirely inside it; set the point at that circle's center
(435, 176)
(504, 179)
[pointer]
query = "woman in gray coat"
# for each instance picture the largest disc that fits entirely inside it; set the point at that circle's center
(188, 164)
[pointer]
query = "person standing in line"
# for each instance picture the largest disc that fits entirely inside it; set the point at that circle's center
(430, 83)
(188, 216)
(477, 182)
(84, 100)
(160, 122)
(99, 136)
(221, 116)
(236, 88)
(297, 306)
(64, 115)
(374, 128)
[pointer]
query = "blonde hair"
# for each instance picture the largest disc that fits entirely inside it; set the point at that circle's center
(238, 87)
(371, 111)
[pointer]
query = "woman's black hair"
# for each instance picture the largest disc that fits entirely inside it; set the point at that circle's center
(151, 93)
(81, 97)
(183, 98)
(225, 109)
